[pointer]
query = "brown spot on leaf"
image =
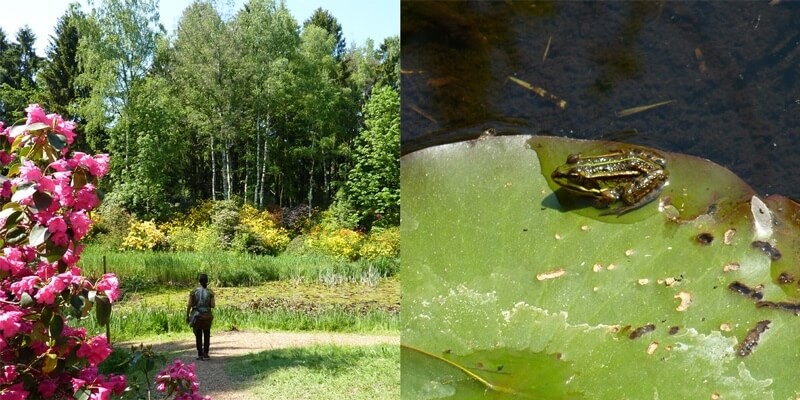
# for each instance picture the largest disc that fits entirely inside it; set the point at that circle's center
(642, 330)
(741, 288)
(767, 249)
(751, 339)
(785, 278)
(704, 238)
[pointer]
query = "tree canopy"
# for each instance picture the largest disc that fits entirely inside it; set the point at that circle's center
(247, 105)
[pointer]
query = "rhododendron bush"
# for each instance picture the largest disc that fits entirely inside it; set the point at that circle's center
(46, 193)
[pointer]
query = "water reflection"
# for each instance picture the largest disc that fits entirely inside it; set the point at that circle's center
(730, 68)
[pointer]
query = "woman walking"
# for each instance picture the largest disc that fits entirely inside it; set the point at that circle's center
(199, 316)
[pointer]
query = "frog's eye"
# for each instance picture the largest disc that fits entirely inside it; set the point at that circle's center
(573, 158)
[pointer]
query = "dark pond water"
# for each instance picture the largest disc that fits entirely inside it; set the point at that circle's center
(731, 69)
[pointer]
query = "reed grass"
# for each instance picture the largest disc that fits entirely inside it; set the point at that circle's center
(150, 321)
(142, 270)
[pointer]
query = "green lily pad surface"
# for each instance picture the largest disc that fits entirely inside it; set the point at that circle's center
(513, 290)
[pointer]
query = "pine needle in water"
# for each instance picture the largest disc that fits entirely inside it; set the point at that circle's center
(547, 48)
(562, 104)
(634, 110)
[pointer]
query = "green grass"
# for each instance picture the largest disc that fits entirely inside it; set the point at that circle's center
(271, 306)
(321, 372)
(142, 270)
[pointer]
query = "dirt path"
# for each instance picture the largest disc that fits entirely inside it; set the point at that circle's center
(211, 373)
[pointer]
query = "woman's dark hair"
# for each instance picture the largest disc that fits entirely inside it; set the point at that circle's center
(203, 280)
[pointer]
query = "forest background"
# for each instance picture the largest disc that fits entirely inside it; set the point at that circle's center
(255, 113)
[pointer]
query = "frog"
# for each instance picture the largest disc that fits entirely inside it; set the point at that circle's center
(633, 177)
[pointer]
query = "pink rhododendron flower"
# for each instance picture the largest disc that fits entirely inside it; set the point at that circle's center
(101, 165)
(47, 295)
(55, 121)
(25, 271)
(45, 270)
(8, 374)
(46, 184)
(36, 114)
(109, 285)
(80, 224)
(14, 392)
(57, 224)
(60, 239)
(10, 322)
(5, 191)
(59, 165)
(25, 285)
(47, 388)
(30, 172)
(56, 285)
(86, 199)
(179, 378)
(95, 350)
(6, 158)
(63, 192)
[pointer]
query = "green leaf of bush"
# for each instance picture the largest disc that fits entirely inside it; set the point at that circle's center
(39, 234)
(56, 326)
(102, 309)
(496, 261)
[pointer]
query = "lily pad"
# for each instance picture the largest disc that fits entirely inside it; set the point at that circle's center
(497, 270)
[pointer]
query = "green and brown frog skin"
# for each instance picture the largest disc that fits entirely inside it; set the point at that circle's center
(635, 177)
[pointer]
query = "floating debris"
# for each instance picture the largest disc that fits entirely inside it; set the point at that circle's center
(562, 104)
(725, 327)
(585, 228)
(698, 54)
(741, 288)
(643, 281)
(652, 348)
(715, 396)
(734, 266)
(704, 238)
(611, 267)
(767, 249)
(751, 340)
(551, 274)
(642, 330)
(597, 267)
(686, 301)
(636, 110)
(558, 236)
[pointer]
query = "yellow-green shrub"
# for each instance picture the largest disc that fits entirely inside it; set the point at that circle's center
(198, 216)
(206, 239)
(340, 243)
(181, 238)
(381, 243)
(261, 223)
(143, 235)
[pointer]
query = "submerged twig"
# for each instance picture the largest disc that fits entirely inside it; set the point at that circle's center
(562, 104)
(634, 110)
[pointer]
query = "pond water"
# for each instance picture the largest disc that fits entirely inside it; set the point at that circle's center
(730, 69)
